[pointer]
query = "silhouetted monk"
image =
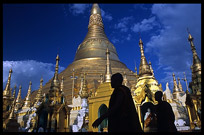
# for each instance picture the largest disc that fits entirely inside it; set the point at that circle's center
(122, 115)
(165, 115)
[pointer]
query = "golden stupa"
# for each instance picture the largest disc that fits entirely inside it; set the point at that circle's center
(90, 58)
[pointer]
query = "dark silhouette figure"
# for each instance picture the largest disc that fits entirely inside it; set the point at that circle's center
(165, 115)
(122, 115)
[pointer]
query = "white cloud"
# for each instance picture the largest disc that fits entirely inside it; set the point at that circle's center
(26, 71)
(123, 24)
(128, 37)
(171, 44)
(114, 40)
(144, 25)
(77, 9)
(105, 15)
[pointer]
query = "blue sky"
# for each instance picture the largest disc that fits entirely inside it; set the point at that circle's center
(33, 34)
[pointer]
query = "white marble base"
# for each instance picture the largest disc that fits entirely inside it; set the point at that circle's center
(183, 128)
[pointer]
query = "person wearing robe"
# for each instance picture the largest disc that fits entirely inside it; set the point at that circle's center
(122, 115)
(165, 115)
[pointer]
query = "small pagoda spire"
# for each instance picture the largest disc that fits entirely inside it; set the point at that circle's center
(55, 80)
(7, 91)
(84, 92)
(18, 99)
(151, 69)
(27, 102)
(175, 89)
(12, 114)
(196, 59)
(144, 68)
(55, 85)
(14, 92)
(179, 84)
(185, 79)
(39, 95)
(108, 67)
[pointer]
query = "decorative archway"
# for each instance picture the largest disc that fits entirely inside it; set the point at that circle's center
(104, 124)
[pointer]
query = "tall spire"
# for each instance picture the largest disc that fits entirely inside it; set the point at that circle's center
(175, 89)
(39, 95)
(95, 42)
(7, 91)
(108, 67)
(18, 99)
(55, 81)
(179, 84)
(27, 102)
(196, 69)
(55, 84)
(196, 59)
(144, 68)
(95, 27)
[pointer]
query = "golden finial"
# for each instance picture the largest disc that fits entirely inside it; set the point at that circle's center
(144, 68)
(190, 38)
(95, 9)
(11, 71)
(140, 42)
(95, 18)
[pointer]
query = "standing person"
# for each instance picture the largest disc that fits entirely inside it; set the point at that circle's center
(165, 115)
(122, 115)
